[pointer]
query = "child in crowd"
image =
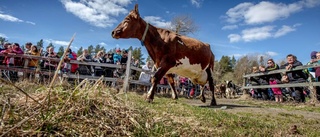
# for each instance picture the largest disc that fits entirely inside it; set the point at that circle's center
(276, 91)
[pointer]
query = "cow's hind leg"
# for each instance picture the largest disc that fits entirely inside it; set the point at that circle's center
(211, 85)
(201, 96)
(171, 83)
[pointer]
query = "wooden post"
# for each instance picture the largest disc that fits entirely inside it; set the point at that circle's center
(128, 70)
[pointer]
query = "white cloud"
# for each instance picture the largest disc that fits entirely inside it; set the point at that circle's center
(10, 18)
(229, 27)
(234, 38)
(236, 14)
(99, 13)
(57, 42)
(157, 21)
(269, 12)
(3, 35)
(261, 33)
(102, 44)
(29, 22)
(257, 33)
(266, 11)
(196, 3)
(310, 3)
(283, 31)
(271, 53)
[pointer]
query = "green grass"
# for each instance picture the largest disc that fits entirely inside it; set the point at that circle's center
(179, 118)
(285, 105)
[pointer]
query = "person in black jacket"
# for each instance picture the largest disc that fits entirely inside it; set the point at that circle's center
(296, 76)
(259, 80)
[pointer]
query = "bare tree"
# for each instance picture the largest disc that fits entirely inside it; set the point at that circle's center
(183, 25)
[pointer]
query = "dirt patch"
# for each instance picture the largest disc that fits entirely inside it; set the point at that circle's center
(234, 106)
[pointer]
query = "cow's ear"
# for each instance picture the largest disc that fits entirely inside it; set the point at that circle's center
(230, 81)
(136, 11)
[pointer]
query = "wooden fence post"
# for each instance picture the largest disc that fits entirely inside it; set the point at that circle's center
(128, 70)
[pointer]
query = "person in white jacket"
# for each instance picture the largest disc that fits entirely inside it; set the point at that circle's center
(144, 77)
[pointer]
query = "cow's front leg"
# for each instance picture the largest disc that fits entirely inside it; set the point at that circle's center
(155, 80)
(171, 83)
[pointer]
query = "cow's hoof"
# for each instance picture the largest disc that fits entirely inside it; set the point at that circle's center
(213, 103)
(149, 100)
(174, 97)
(203, 99)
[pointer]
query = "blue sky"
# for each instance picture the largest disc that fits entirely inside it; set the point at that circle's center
(233, 28)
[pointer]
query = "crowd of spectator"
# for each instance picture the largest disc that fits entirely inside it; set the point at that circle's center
(298, 94)
(120, 57)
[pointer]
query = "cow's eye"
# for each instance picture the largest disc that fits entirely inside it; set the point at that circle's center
(127, 19)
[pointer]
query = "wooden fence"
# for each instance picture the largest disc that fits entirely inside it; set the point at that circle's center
(126, 81)
(281, 71)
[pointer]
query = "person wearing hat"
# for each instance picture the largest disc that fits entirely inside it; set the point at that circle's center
(313, 60)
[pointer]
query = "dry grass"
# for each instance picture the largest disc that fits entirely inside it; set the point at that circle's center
(88, 109)
(91, 109)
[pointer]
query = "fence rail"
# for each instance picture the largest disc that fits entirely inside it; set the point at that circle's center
(282, 71)
(126, 80)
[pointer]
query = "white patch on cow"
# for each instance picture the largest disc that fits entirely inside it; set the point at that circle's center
(180, 42)
(194, 72)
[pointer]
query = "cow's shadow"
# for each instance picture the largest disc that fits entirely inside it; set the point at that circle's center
(227, 106)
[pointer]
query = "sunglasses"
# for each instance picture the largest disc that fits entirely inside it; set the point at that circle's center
(269, 63)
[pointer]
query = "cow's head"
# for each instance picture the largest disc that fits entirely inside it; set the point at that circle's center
(130, 25)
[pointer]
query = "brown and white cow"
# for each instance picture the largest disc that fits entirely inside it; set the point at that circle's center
(171, 52)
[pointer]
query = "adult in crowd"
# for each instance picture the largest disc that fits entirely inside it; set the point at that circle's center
(85, 57)
(28, 47)
(66, 61)
(18, 61)
(108, 58)
(98, 70)
(124, 57)
(33, 63)
(255, 81)
(49, 64)
(296, 76)
(4, 50)
(264, 80)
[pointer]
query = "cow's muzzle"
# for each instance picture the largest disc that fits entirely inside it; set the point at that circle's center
(115, 33)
